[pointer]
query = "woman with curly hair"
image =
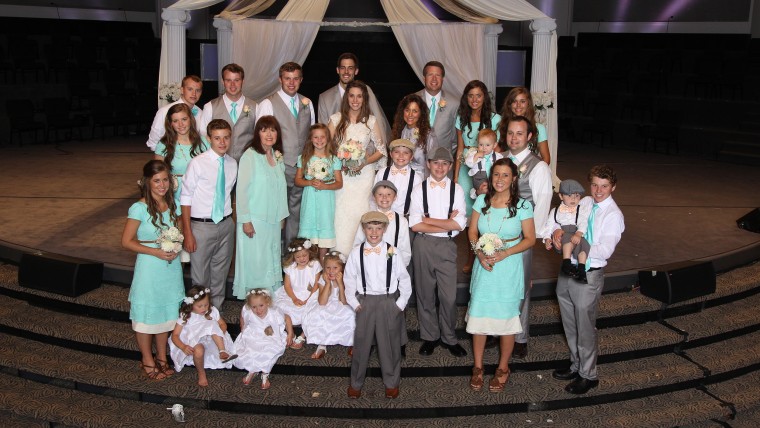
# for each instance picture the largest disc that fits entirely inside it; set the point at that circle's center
(520, 103)
(407, 125)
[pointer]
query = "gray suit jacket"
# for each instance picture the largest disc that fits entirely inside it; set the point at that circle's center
(329, 104)
(444, 119)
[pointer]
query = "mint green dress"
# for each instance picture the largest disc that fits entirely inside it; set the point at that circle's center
(317, 221)
(495, 296)
(470, 139)
(157, 285)
(181, 158)
(262, 200)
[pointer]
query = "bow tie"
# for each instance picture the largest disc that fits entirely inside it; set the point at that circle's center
(441, 184)
(391, 215)
(368, 251)
(395, 171)
(565, 209)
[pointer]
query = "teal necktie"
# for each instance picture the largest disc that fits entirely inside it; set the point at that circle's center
(590, 232)
(195, 111)
(432, 110)
(217, 211)
(233, 113)
(293, 107)
(487, 162)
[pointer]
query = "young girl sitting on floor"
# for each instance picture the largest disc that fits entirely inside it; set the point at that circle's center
(332, 322)
(294, 297)
(262, 338)
(319, 172)
(199, 329)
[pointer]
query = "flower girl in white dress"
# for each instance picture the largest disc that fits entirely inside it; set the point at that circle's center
(263, 337)
(332, 322)
(200, 337)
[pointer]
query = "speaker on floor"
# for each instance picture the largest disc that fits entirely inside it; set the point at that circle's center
(56, 273)
(750, 221)
(677, 282)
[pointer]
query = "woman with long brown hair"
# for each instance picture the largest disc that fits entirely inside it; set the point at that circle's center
(407, 125)
(519, 102)
(157, 285)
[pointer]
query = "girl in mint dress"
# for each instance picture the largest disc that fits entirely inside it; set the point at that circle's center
(320, 176)
(157, 285)
(261, 205)
(475, 113)
(179, 144)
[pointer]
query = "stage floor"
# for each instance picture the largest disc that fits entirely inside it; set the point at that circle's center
(73, 199)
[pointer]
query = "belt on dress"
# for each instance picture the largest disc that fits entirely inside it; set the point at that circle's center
(208, 220)
(510, 240)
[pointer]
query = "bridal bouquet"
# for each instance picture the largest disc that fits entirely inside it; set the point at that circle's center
(542, 102)
(489, 244)
(170, 240)
(351, 155)
(169, 92)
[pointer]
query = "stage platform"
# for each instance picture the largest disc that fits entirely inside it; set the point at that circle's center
(73, 199)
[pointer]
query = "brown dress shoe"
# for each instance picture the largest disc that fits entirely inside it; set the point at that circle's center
(354, 393)
(391, 392)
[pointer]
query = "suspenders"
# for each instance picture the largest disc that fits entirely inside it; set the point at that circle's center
(395, 240)
(577, 212)
(408, 199)
(387, 270)
(425, 210)
(493, 159)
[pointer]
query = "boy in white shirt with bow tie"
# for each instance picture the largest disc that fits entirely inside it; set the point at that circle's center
(572, 218)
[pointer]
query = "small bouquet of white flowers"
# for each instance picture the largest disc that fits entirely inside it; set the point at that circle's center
(319, 169)
(489, 244)
(170, 240)
(542, 102)
(351, 154)
(169, 92)
(466, 153)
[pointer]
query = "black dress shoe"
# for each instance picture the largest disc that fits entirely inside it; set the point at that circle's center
(403, 351)
(520, 351)
(492, 342)
(455, 349)
(581, 385)
(428, 347)
(565, 374)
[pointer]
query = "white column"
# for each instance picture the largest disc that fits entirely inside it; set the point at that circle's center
(223, 46)
(490, 46)
(175, 28)
(542, 29)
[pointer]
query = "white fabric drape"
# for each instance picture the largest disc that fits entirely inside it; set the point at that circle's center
(463, 12)
(244, 9)
(458, 45)
(407, 11)
(304, 10)
(260, 46)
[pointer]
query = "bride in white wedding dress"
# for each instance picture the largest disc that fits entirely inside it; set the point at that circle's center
(354, 122)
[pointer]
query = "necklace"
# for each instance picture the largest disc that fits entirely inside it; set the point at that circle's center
(488, 220)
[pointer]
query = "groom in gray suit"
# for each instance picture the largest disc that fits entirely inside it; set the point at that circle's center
(330, 100)
(442, 106)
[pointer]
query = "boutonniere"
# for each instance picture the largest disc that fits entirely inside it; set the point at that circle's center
(391, 252)
(305, 103)
(277, 156)
(522, 170)
(441, 104)
(246, 110)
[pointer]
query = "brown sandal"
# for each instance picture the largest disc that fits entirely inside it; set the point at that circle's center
(152, 373)
(164, 368)
(476, 381)
(496, 385)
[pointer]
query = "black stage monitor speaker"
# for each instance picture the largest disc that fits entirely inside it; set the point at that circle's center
(677, 282)
(751, 221)
(55, 273)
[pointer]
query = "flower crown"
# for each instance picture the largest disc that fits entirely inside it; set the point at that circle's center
(258, 292)
(190, 300)
(337, 254)
(306, 245)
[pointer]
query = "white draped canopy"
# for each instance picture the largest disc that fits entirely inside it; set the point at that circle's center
(467, 49)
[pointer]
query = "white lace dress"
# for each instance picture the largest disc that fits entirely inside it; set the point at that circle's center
(331, 324)
(352, 201)
(199, 329)
(257, 351)
(300, 280)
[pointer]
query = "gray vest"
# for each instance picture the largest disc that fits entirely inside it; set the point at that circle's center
(242, 130)
(523, 182)
(295, 131)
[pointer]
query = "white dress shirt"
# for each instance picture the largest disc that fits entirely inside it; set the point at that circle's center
(265, 106)
(404, 244)
(438, 205)
(157, 128)
(473, 164)
(540, 181)
(401, 181)
(199, 183)
(609, 225)
(565, 219)
(429, 99)
(208, 112)
(375, 266)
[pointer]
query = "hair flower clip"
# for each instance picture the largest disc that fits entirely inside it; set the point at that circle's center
(188, 300)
